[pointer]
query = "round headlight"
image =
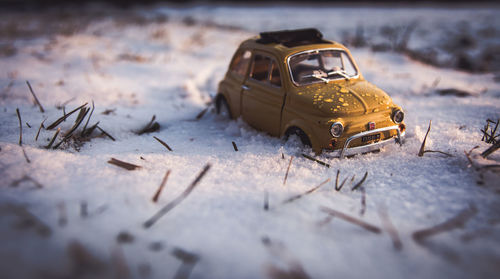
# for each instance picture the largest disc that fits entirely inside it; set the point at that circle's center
(398, 116)
(336, 129)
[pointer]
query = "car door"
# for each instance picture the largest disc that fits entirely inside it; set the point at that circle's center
(235, 77)
(262, 95)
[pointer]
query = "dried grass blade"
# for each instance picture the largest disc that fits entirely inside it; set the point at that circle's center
(287, 170)
(390, 228)
(296, 197)
(39, 129)
(20, 128)
(81, 116)
(162, 185)
(104, 132)
(61, 119)
(84, 131)
(422, 147)
(360, 182)
(315, 160)
(363, 201)
(234, 146)
(200, 115)
(491, 149)
(122, 164)
(34, 96)
(350, 219)
(456, 222)
(151, 221)
(150, 127)
(437, 151)
(53, 138)
(163, 143)
(266, 201)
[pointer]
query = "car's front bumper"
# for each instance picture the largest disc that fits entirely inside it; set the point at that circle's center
(349, 151)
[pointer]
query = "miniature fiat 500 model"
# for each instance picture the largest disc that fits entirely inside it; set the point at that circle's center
(294, 82)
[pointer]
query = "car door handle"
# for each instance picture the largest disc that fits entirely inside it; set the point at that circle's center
(244, 87)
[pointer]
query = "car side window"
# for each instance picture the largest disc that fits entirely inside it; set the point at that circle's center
(240, 62)
(275, 74)
(260, 68)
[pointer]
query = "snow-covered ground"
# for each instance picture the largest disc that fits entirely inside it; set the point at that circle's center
(167, 62)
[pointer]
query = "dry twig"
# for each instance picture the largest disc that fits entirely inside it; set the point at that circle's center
(20, 128)
(234, 146)
(456, 222)
(34, 96)
(104, 132)
(422, 147)
(158, 192)
(389, 228)
(53, 138)
(151, 221)
(163, 143)
(188, 260)
(124, 165)
(287, 170)
(345, 217)
(360, 182)
(152, 126)
(296, 197)
(315, 160)
(40, 128)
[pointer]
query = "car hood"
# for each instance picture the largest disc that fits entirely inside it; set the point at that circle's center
(353, 98)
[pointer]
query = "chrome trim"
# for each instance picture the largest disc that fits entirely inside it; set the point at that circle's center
(318, 49)
(346, 151)
(245, 87)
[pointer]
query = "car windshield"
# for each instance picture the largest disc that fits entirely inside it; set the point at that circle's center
(321, 66)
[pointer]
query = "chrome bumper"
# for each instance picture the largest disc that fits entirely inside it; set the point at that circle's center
(346, 151)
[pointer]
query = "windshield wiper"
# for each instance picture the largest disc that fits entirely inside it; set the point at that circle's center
(340, 72)
(318, 76)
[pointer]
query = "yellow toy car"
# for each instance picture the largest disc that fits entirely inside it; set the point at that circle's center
(294, 82)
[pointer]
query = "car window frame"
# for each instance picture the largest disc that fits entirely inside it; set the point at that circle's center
(247, 72)
(267, 81)
(320, 49)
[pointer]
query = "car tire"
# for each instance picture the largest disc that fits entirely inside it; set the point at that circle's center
(222, 107)
(304, 139)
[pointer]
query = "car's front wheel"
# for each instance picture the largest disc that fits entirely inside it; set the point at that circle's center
(294, 131)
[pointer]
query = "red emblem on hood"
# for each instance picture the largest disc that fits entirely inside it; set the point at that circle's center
(371, 125)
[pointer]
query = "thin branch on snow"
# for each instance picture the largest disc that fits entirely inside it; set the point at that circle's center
(422, 147)
(287, 170)
(315, 160)
(152, 126)
(53, 138)
(34, 96)
(200, 115)
(353, 220)
(363, 201)
(151, 221)
(360, 182)
(40, 128)
(26, 178)
(234, 146)
(20, 127)
(162, 185)
(84, 130)
(456, 222)
(105, 133)
(163, 143)
(123, 164)
(296, 197)
(188, 260)
(390, 228)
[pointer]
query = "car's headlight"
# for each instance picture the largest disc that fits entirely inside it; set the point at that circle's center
(336, 129)
(398, 116)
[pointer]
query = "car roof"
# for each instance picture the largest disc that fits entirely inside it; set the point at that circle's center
(287, 42)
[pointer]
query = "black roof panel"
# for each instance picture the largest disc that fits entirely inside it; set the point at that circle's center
(292, 38)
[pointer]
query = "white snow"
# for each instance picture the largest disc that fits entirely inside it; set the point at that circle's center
(171, 70)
